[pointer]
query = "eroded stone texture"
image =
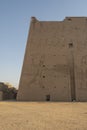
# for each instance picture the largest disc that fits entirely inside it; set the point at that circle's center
(55, 62)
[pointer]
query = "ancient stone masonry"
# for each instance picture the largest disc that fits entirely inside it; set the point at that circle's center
(7, 91)
(55, 61)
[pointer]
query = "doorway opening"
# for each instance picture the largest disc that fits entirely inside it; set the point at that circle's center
(47, 97)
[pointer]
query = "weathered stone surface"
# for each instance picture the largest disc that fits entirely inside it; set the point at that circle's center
(7, 92)
(1, 95)
(55, 62)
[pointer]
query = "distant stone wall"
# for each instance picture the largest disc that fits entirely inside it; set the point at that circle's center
(7, 92)
(1, 95)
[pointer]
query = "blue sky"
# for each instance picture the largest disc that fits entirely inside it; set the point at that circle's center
(14, 25)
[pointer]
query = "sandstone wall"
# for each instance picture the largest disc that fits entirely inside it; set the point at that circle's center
(55, 62)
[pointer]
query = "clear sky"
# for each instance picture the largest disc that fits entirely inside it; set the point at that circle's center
(14, 25)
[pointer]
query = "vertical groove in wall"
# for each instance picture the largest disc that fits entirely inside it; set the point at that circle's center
(72, 73)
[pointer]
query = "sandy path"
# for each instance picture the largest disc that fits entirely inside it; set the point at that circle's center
(43, 116)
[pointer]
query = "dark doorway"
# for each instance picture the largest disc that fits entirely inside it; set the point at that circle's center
(47, 97)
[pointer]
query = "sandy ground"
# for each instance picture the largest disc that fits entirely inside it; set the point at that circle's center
(43, 116)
